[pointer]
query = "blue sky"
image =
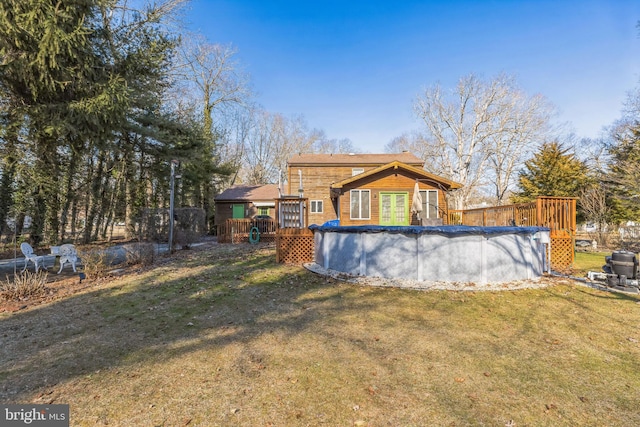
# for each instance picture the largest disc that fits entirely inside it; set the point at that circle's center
(354, 68)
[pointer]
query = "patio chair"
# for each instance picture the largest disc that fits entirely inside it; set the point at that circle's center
(68, 254)
(29, 255)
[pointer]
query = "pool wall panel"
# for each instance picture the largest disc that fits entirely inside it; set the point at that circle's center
(464, 257)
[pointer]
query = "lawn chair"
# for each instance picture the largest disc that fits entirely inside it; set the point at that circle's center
(29, 255)
(68, 254)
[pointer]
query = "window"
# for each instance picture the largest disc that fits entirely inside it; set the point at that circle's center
(356, 171)
(429, 203)
(263, 211)
(316, 206)
(360, 204)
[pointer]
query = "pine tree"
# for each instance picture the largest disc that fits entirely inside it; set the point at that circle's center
(623, 176)
(553, 171)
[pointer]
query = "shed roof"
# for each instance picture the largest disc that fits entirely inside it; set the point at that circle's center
(249, 193)
(354, 159)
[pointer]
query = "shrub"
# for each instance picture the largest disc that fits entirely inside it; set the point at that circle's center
(24, 286)
(190, 226)
(95, 263)
(186, 238)
(140, 253)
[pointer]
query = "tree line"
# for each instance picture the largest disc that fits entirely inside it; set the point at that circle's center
(98, 97)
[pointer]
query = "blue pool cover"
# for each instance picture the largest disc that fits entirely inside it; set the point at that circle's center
(447, 230)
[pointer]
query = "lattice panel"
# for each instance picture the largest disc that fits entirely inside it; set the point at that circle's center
(267, 238)
(292, 249)
(561, 253)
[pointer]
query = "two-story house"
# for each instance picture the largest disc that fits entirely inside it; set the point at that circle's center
(361, 189)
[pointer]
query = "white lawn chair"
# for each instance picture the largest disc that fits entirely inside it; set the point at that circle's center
(29, 255)
(68, 254)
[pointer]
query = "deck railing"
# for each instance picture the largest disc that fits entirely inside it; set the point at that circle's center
(238, 230)
(556, 213)
(523, 214)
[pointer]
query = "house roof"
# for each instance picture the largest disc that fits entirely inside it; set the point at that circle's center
(420, 174)
(249, 193)
(354, 159)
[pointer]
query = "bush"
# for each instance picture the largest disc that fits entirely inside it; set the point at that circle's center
(96, 263)
(24, 286)
(140, 253)
(190, 226)
(186, 238)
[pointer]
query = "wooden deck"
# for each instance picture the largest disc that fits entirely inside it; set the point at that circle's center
(239, 230)
(556, 213)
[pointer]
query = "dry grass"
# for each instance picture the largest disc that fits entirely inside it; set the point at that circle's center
(24, 286)
(227, 337)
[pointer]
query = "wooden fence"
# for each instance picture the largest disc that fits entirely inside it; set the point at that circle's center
(238, 230)
(556, 213)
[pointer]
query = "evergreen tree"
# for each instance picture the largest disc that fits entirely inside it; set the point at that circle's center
(553, 171)
(623, 175)
(82, 89)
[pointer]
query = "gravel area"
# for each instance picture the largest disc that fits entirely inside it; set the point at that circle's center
(542, 282)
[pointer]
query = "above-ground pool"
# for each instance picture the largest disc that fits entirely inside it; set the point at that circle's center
(478, 255)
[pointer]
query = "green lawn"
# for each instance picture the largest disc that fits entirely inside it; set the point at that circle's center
(589, 261)
(227, 337)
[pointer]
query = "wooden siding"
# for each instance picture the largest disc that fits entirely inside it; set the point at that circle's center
(316, 182)
(385, 182)
(224, 211)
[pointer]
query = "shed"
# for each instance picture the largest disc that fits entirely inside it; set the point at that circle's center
(245, 201)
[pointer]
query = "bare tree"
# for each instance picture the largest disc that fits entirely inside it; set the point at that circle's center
(594, 204)
(477, 133)
(212, 70)
(521, 123)
(415, 142)
(269, 142)
(234, 131)
(325, 145)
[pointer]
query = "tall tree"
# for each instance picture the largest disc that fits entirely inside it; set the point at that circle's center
(271, 140)
(81, 79)
(623, 176)
(552, 171)
(48, 64)
(212, 72)
(477, 133)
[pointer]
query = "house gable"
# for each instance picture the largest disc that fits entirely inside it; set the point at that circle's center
(395, 167)
(389, 190)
